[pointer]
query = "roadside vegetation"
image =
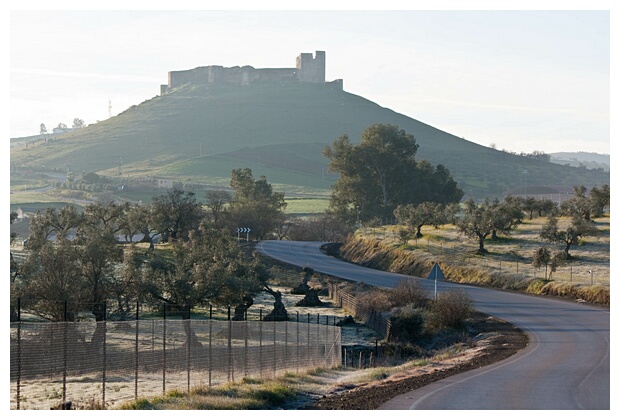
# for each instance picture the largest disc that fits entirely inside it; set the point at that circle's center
(185, 251)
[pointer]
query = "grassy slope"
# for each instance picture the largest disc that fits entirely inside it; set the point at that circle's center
(202, 133)
(508, 264)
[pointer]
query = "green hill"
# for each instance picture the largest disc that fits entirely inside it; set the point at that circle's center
(201, 132)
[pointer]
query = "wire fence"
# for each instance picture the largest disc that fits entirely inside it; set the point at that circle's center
(371, 318)
(111, 362)
(465, 255)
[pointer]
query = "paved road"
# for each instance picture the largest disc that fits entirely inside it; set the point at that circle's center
(564, 367)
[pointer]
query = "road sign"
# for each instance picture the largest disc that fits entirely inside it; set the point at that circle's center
(243, 230)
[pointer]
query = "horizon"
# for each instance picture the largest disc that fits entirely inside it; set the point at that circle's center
(494, 77)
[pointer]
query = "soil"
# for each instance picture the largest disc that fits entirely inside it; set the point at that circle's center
(502, 340)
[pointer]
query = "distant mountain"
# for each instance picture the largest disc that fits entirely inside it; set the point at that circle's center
(588, 159)
(199, 133)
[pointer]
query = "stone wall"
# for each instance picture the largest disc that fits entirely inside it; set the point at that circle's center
(309, 69)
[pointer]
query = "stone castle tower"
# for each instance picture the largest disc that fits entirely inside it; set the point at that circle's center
(308, 69)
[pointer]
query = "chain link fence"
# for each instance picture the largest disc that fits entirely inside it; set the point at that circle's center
(111, 362)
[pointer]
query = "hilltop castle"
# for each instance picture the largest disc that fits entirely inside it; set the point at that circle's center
(308, 69)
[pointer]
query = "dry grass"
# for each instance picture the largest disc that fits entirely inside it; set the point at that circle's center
(507, 265)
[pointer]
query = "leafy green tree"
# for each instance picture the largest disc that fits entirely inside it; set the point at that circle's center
(208, 268)
(176, 213)
(599, 200)
(381, 173)
(50, 276)
(530, 206)
(415, 217)
(52, 224)
(216, 201)
(78, 123)
(255, 205)
(543, 257)
(579, 205)
(435, 184)
(42, 129)
(477, 221)
(141, 218)
(506, 216)
(578, 228)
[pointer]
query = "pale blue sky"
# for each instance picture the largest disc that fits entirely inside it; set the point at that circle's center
(522, 80)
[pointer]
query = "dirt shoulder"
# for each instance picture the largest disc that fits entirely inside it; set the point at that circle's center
(494, 340)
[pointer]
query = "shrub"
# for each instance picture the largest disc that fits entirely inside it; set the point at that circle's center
(409, 292)
(407, 324)
(449, 310)
(375, 300)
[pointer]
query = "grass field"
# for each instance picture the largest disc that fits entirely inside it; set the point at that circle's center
(590, 263)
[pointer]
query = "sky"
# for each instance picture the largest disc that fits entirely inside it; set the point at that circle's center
(534, 79)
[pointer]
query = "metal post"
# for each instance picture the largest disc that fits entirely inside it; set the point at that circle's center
(275, 351)
(164, 354)
(19, 351)
(297, 347)
(260, 344)
(189, 346)
(105, 333)
(230, 359)
(64, 351)
(210, 350)
(435, 269)
(245, 351)
(285, 346)
(136, 350)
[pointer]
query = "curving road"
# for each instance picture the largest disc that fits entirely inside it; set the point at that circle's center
(564, 367)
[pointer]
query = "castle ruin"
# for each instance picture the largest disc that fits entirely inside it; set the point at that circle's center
(308, 69)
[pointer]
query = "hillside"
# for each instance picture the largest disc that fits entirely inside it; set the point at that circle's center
(200, 133)
(587, 159)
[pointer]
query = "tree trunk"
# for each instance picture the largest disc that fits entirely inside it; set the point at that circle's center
(279, 312)
(190, 336)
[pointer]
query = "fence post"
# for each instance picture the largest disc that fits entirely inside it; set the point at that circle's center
(105, 333)
(230, 359)
(164, 354)
(189, 345)
(260, 344)
(210, 349)
(245, 351)
(275, 351)
(297, 347)
(64, 356)
(136, 350)
(19, 351)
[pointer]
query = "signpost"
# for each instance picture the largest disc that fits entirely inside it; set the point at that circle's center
(243, 230)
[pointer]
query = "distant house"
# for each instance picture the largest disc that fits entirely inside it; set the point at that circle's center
(60, 130)
(160, 183)
(165, 183)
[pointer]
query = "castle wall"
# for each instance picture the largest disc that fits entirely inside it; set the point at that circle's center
(309, 69)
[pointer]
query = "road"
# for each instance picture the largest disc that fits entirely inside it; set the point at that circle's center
(564, 367)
